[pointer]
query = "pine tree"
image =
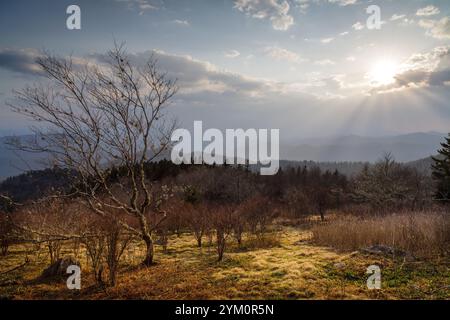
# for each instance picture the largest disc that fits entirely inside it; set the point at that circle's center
(441, 172)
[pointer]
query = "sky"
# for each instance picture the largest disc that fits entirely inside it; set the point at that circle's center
(307, 67)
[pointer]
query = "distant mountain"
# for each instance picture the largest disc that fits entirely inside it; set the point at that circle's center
(404, 148)
(423, 165)
(347, 153)
(13, 163)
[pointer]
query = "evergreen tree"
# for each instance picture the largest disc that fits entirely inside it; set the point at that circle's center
(441, 172)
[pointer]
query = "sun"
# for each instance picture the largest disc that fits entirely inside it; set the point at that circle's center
(383, 72)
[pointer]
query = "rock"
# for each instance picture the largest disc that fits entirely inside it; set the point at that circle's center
(59, 268)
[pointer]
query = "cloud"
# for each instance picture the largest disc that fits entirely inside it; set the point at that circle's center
(24, 61)
(428, 69)
(277, 11)
(20, 60)
(282, 54)
(358, 26)
(326, 40)
(344, 3)
(428, 11)
(439, 29)
(192, 75)
(142, 5)
(183, 23)
(232, 54)
(406, 22)
(396, 17)
(199, 76)
(303, 5)
(326, 62)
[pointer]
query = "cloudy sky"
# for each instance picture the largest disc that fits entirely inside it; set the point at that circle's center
(307, 67)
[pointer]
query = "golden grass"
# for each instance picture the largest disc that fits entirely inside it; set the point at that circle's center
(422, 234)
(289, 268)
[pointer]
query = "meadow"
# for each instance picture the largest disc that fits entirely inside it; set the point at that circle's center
(287, 262)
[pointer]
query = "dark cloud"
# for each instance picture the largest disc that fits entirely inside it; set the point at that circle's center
(419, 77)
(194, 75)
(440, 77)
(22, 61)
(412, 77)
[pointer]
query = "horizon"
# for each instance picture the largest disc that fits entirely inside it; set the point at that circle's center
(431, 132)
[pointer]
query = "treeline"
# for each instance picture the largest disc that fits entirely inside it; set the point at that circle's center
(302, 190)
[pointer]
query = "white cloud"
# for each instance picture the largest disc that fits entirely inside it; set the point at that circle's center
(326, 40)
(232, 54)
(439, 29)
(326, 62)
(396, 17)
(358, 26)
(350, 58)
(282, 54)
(277, 11)
(183, 23)
(428, 11)
(344, 33)
(142, 5)
(427, 61)
(407, 22)
(344, 3)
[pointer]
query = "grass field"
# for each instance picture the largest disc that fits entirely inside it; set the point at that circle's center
(287, 265)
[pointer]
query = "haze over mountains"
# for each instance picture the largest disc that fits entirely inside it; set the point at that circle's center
(404, 148)
(353, 148)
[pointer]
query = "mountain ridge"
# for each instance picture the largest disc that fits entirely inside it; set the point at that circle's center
(340, 149)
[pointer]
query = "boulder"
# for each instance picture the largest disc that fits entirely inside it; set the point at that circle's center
(59, 268)
(388, 251)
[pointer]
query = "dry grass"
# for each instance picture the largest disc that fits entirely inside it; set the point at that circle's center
(288, 267)
(422, 234)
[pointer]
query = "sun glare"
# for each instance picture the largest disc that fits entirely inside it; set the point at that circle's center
(383, 72)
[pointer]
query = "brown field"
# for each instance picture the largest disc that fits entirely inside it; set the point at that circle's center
(284, 264)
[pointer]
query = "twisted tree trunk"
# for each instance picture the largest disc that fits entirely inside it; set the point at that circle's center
(148, 260)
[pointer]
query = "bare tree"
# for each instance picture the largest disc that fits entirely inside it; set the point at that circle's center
(116, 243)
(49, 221)
(6, 233)
(198, 218)
(258, 212)
(95, 247)
(222, 221)
(91, 118)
